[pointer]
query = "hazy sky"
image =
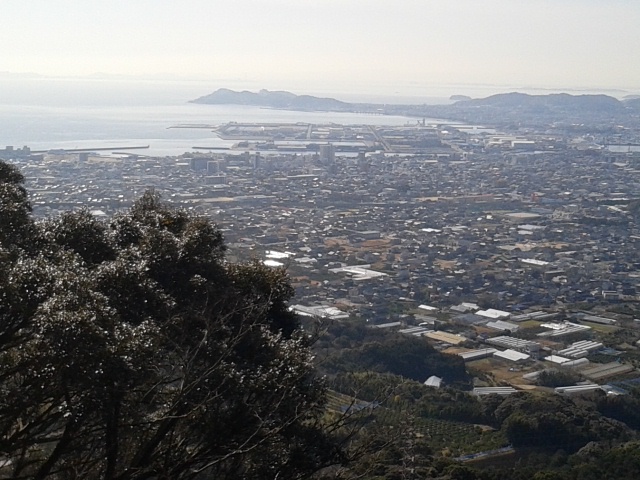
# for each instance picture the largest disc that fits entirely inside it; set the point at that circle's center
(542, 43)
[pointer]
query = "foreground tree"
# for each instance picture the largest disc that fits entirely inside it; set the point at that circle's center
(132, 350)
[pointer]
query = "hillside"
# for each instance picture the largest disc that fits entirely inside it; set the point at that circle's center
(586, 103)
(501, 109)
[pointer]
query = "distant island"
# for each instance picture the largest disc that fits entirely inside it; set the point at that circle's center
(274, 99)
(457, 98)
(504, 108)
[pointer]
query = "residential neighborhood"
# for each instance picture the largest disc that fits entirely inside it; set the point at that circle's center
(504, 247)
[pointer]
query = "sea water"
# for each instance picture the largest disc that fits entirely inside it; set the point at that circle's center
(46, 114)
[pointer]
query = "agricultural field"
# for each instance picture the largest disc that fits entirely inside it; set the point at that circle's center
(444, 437)
(500, 371)
(459, 439)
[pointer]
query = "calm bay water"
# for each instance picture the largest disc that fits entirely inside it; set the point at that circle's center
(49, 113)
(81, 114)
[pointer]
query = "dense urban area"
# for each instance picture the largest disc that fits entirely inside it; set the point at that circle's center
(512, 245)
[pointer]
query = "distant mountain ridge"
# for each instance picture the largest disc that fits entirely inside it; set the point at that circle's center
(598, 102)
(501, 109)
(273, 99)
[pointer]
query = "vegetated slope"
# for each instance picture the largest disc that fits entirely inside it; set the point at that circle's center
(548, 432)
(509, 109)
(512, 108)
(410, 357)
(554, 101)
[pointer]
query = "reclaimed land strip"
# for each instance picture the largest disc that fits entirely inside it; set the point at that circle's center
(90, 149)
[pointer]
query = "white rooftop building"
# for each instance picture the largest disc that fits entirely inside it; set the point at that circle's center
(556, 359)
(471, 355)
(564, 328)
(493, 390)
(512, 355)
(493, 313)
(503, 326)
(321, 311)
(433, 381)
(429, 308)
(361, 272)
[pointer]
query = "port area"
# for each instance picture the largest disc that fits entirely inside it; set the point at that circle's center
(419, 138)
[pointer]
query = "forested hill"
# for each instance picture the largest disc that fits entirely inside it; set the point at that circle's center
(500, 109)
(525, 109)
(586, 103)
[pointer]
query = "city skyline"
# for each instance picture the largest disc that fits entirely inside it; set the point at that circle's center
(581, 44)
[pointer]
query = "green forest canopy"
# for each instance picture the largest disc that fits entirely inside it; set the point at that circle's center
(131, 349)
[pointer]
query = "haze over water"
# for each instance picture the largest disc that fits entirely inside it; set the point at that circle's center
(49, 113)
(79, 114)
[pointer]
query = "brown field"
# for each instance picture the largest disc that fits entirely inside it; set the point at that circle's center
(500, 370)
(378, 244)
(445, 264)
(336, 242)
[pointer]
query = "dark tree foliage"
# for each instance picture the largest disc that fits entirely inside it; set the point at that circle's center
(453, 405)
(132, 350)
(625, 408)
(555, 422)
(621, 463)
(596, 461)
(15, 220)
(403, 355)
(557, 378)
